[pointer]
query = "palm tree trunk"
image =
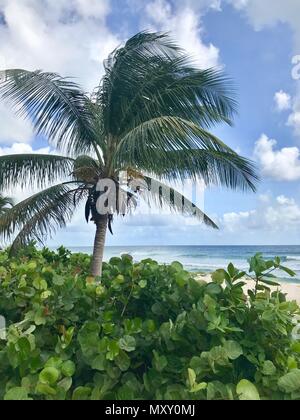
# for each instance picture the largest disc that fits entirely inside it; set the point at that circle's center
(99, 246)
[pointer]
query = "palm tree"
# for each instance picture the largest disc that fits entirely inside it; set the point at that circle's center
(149, 116)
(5, 204)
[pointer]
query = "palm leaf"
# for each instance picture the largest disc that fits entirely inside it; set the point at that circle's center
(40, 214)
(33, 170)
(174, 200)
(118, 66)
(214, 167)
(170, 86)
(56, 106)
(168, 133)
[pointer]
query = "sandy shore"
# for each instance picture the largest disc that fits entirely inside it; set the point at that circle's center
(292, 290)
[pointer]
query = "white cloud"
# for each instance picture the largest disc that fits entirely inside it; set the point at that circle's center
(277, 215)
(184, 21)
(263, 13)
(282, 100)
(283, 200)
(19, 148)
(238, 4)
(232, 221)
(282, 164)
(92, 8)
(69, 37)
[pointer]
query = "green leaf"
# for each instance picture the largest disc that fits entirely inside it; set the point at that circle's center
(127, 343)
(213, 289)
(81, 394)
(219, 276)
(16, 394)
(58, 280)
(288, 271)
(269, 369)
(40, 284)
(55, 362)
(233, 349)
(296, 347)
(45, 389)
(113, 350)
(199, 387)
(290, 382)
(192, 377)
(247, 391)
(68, 369)
(143, 284)
(65, 383)
(122, 361)
(269, 282)
(99, 362)
(177, 266)
(159, 362)
(49, 376)
(24, 347)
(231, 270)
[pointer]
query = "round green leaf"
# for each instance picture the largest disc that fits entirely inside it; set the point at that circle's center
(127, 343)
(16, 394)
(269, 368)
(68, 369)
(219, 276)
(233, 349)
(290, 382)
(49, 376)
(247, 391)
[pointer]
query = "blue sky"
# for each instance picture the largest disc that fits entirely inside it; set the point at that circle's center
(253, 40)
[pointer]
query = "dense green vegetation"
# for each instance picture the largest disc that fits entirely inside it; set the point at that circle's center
(144, 332)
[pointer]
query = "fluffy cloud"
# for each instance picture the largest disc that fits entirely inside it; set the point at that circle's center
(275, 215)
(71, 37)
(66, 36)
(184, 21)
(282, 164)
(19, 148)
(282, 100)
(270, 12)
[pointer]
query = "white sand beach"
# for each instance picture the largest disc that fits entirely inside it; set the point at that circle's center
(292, 290)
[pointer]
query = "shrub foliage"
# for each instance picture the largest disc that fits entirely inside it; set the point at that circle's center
(145, 331)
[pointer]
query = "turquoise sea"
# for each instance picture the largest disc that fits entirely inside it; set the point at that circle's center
(206, 258)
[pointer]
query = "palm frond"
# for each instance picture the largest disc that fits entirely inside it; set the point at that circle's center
(33, 170)
(56, 106)
(122, 61)
(165, 134)
(151, 76)
(165, 86)
(41, 214)
(214, 167)
(162, 195)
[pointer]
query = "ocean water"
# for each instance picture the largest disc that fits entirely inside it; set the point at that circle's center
(207, 258)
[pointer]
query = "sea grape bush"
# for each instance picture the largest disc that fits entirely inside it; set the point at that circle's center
(145, 331)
